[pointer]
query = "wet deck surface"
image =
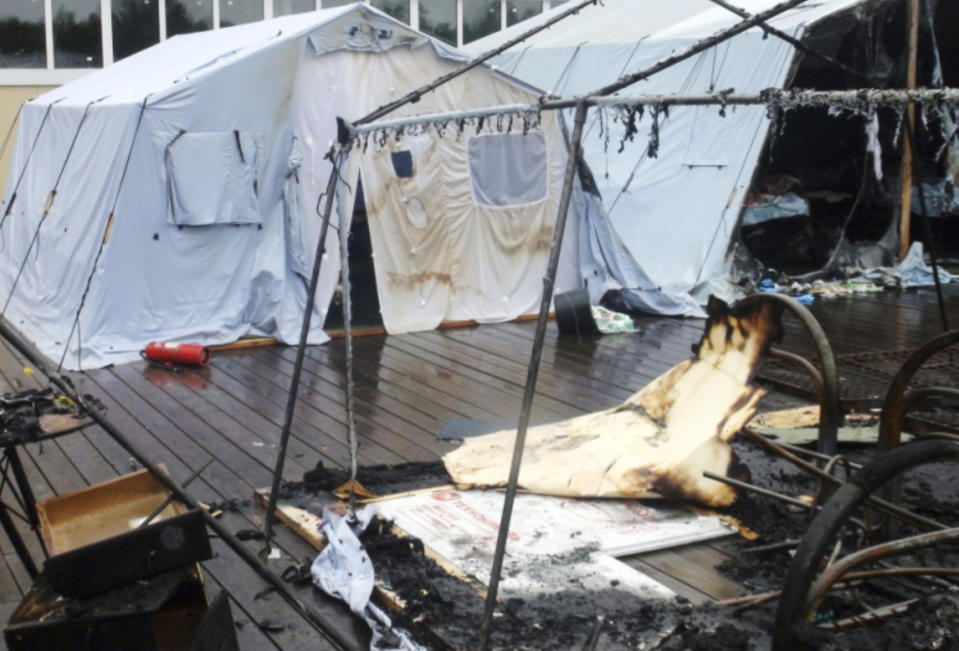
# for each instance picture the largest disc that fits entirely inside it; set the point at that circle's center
(407, 387)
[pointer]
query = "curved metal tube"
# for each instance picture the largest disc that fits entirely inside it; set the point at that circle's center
(835, 513)
(877, 552)
(895, 405)
(808, 366)
(829, 412)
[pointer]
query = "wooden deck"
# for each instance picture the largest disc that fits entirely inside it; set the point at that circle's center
(407, 387)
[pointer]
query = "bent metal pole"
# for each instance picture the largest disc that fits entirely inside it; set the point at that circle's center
(326, 627)
(337, 160)
(549, 282)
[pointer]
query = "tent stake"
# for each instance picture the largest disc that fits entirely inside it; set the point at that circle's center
(301, 349)
(549, 282)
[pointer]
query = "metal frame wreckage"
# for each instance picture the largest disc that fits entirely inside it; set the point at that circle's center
(833, 510)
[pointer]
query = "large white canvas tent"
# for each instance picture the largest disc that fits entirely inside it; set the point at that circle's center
(675, 213)
(188, 178)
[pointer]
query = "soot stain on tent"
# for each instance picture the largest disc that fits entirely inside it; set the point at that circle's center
(412, 281)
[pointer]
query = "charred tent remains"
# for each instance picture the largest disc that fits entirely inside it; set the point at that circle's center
(822, 183)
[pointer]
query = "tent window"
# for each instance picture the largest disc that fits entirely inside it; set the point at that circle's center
(212, 179)
(508, 169)
(402, 164)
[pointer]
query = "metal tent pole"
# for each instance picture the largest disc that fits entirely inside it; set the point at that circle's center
(301, 347)
(549, 282)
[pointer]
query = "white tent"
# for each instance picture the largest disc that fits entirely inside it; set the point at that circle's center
(675, 213)
(188, 177)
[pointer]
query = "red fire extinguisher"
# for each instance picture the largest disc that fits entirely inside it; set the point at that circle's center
(170, 354)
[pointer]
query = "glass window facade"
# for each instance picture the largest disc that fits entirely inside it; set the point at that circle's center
(22, 42)
(399, 9)
(136, 26)
(184, 16)
(438, 18)
(76, 34)
(480, 18)
(519, 10)
(133, 25)
(237, 12)
(285, 7)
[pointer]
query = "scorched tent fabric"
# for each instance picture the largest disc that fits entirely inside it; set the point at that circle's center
(675, 207)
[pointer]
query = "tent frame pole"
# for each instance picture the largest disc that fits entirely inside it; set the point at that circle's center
(696, 48)
(549, 283)
(414, 96)
(337, 160)
(853, 99)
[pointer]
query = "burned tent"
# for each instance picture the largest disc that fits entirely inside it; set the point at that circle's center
(174, 195)
(674, 181)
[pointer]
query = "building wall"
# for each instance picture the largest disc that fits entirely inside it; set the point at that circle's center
(11, 97)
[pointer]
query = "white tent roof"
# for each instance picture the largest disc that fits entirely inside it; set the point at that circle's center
(676, 212)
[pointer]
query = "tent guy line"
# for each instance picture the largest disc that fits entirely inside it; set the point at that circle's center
(103, 241)
(49, 204)
(23, 169)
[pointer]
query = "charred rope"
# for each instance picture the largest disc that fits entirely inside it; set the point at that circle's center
(772, 98)
(348, 334)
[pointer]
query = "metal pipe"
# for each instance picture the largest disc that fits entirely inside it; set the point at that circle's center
(902, 546)
(852, 99)
(696, 48)
(323, 625)
(169, 499)
(337, 160)
(893, 413)
(807, 366)
(830, 415)
(876, 503)
(756, 489)
(549, 282)
(414, 96)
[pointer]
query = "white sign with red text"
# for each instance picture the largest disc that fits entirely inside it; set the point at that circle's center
(553, 541)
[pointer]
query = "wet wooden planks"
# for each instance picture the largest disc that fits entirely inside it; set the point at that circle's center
(406, 388)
